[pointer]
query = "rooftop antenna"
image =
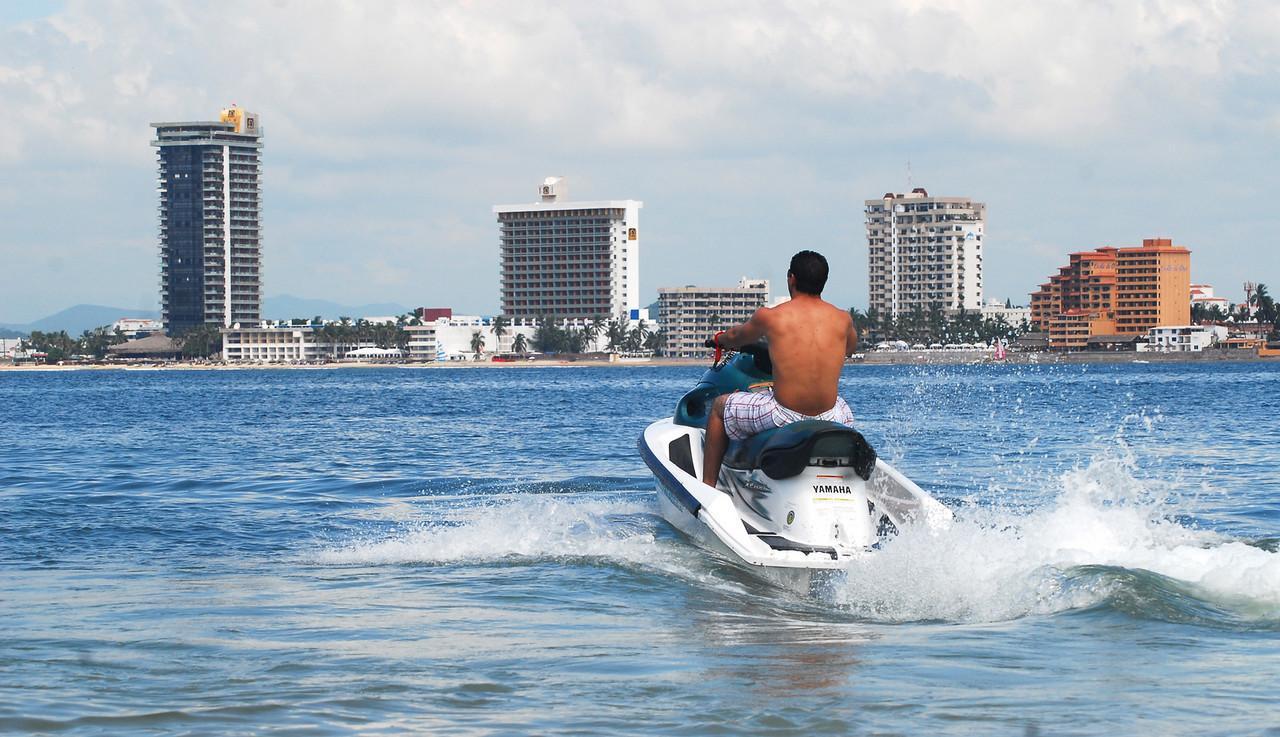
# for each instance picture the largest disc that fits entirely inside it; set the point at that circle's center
(910, 184)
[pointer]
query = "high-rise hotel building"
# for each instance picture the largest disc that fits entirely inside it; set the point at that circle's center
(924, 251)
(210, 221)
(569, 259)
(1115, 291)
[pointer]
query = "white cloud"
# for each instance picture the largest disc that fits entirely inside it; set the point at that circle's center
(411, 116)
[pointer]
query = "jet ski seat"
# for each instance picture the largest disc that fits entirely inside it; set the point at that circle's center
(786, 451)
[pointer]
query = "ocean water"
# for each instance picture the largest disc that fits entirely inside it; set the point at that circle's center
(393, 551)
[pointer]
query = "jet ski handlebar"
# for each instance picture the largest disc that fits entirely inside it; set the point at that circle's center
(758, 351)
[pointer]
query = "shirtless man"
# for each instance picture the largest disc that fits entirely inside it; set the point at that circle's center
(808, 342)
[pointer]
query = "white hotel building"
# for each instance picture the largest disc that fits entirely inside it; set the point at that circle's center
(923, 251)
(575, 260)
(1183, 338)
(690, 315)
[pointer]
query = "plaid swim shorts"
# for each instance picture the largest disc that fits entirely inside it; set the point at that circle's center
(747, 413)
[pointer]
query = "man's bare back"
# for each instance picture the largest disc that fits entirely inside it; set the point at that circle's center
(808, 341)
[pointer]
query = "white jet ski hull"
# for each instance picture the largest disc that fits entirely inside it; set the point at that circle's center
(726, 520)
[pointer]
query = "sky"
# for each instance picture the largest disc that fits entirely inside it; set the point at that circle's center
(749, 130)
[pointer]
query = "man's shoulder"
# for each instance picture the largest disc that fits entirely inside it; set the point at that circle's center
(816, 306)
(765, 313)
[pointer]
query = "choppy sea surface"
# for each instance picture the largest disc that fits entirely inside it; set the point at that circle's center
(392, 551)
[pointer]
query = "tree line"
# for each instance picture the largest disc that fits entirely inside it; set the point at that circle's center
(199, 342)
(935, 325)
(550, 337)
(346, 333)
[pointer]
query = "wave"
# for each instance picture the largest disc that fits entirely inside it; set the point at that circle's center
(1103, 541)
(511, 527)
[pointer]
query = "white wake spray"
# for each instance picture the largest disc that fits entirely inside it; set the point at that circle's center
(993, 564)
(511, 527)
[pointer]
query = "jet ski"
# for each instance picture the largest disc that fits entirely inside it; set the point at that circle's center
(791, 501)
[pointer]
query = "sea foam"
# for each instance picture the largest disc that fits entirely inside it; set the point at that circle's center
(994, 563)
(511, 527)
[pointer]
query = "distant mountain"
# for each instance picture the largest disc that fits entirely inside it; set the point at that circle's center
(285, 307)
(76, 320)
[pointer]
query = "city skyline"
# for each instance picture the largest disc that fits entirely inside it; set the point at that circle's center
(746, 148)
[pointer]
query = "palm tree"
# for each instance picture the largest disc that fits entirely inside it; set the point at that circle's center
(202, 341)
(520, 344)
(875, 331)
(635, 339)
(547, 337)
(861, 321)
(915, 324)
(1259, 295)
(499, 328)
(617, 333)
(1265, 305)
(936, 322)
(655, 342)
(324, 334)
(477, 343)
(595, 328)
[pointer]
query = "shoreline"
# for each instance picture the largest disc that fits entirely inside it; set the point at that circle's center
(908, 358)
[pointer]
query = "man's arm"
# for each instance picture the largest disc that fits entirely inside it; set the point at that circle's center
(851, 343)
(746, 333)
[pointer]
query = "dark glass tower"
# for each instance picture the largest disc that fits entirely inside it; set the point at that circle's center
(210, 221)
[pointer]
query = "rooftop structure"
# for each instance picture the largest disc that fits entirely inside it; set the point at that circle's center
(924, 251)
(210, 221)
(569, 259)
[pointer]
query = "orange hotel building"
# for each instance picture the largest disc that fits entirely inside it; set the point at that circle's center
(1114, 291)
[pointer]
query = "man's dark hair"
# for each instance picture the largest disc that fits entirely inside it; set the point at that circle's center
(810, 270)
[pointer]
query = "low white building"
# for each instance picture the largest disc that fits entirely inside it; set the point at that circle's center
(274, 344)
(443, 339)
(137, 327)
(283, 342)
(1183, 338)
(9, 347)
(994, 309)
(450, 338)
(1202, 294)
